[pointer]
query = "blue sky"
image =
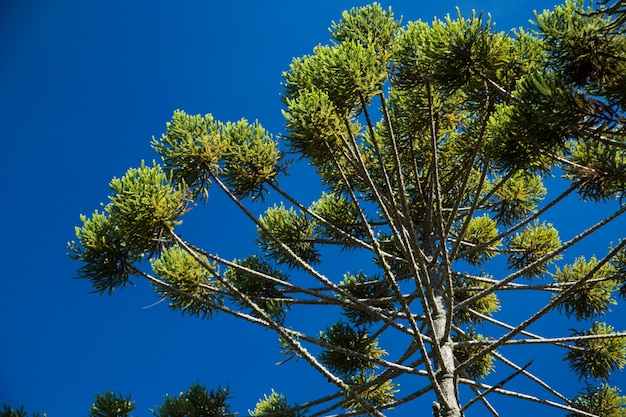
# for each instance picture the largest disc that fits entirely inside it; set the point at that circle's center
(83, 88)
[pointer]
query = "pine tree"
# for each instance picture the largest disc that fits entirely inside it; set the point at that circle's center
(435, 145)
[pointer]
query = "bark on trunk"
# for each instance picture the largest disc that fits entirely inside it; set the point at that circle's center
(448, 405)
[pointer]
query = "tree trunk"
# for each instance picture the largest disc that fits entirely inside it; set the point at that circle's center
(444, 364)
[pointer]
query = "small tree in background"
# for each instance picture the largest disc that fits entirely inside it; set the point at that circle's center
(110, 404)
(433, 143)
(8, 411)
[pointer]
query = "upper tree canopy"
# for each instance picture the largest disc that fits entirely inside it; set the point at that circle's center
(433, 143)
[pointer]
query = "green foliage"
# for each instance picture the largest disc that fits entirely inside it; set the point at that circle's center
(479, 231)
(313, 125)
(197, 149)
(146, 206)
(467, 287)
(581, 48)
(374, 392)
(372, 290)
(593, 298)
(8, 411)
(348, 72)
(524, 134)
(107, 261)
(348, 340)
(615, 10)
(619, 263)
(324, 88)
(252, 277)
(286, 348)
(369, 25)
(143, 210)
(598, 356)
(341, 213)
(192, 149)
(464, 351)
(282, 228)
(197, 291)
(195, 402)
(454, 50)
(599, 172)
(517, 198)
(110, 404)
(275, 403)
(603, 401)
(252, 160)
(532, 244)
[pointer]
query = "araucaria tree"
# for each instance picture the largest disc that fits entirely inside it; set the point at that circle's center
(434, 144)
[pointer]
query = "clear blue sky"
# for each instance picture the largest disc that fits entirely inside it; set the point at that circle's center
(83, 87)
